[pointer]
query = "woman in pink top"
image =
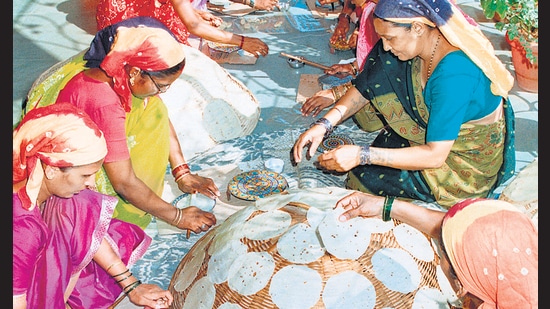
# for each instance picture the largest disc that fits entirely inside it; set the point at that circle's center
(117, 82)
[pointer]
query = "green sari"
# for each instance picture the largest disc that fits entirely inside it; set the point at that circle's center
(481, 159)
(147, 133)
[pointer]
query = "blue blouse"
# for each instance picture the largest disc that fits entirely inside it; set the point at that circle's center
(457, 92)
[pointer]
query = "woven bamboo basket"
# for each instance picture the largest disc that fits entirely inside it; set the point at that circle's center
(326, 266)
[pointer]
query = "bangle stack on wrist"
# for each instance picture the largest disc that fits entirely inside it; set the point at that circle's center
(324, 122)
(180, 170)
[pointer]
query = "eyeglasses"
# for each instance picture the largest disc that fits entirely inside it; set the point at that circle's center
(160, 89)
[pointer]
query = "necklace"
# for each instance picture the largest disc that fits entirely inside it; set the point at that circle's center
(432, 57)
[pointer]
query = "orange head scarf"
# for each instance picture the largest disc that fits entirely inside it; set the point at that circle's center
(148, 48)
(58, 135)
(493, 248)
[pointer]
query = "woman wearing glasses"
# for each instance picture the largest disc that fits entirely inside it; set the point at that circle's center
(117, 82)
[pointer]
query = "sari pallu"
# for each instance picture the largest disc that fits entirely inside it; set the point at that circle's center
(482, 156)
(78, 225)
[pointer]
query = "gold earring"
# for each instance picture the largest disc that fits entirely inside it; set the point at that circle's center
(132, 80)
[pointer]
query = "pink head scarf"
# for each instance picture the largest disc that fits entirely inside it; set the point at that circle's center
(148, 48)
(58, 135)
(493, 248)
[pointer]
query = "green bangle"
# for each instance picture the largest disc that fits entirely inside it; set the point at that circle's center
(131, 287)
(386, 211)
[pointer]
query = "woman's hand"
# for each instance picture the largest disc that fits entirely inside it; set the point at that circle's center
(311, 138)
(196, 220)
(319, 101)
(340, 31)
(255, 46)
(210, 18)
(194, 183)
(150, 295)
(360, 204)
(341, 159)
(342, 69)
(267, 5)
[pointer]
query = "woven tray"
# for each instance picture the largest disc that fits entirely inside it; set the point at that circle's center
(187, 278)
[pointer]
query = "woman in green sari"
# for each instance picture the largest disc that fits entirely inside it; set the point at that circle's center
(117, 82)
(438, 94)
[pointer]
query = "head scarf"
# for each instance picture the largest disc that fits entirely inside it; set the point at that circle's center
(457, 29)
(58, 135)
(493, 248)
(143, 42)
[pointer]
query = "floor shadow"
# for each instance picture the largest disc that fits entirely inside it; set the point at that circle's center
(80, 13)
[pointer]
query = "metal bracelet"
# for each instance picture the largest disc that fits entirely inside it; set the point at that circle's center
(325, 123)
(364, 155)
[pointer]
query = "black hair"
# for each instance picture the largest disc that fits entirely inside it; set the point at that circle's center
(403, 25)
(167, 72)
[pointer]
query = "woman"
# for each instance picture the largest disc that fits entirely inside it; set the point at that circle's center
(129, 64)
(59, 225)
(435, 86)
(492, 247)
(179, 16)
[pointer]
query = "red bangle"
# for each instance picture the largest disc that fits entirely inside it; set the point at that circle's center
(181, 176)
(242, 42)
(182, 166)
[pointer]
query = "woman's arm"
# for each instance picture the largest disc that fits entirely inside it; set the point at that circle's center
(200, 28)
(188, 182)
(346, 157)
(140, 294)
(130, 187)
(367, 205)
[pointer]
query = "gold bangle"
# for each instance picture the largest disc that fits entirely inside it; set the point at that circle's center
(111, 266)
(177, 219)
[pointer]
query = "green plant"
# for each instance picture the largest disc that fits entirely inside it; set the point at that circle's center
(519, 18)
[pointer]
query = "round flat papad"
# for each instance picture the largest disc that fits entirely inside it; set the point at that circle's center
(256, 184)
(338, 294)
(295, 286)
(251, 272)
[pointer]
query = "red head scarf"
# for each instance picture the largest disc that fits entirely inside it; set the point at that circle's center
(58, 135)
(493, 248)
(148, 48)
